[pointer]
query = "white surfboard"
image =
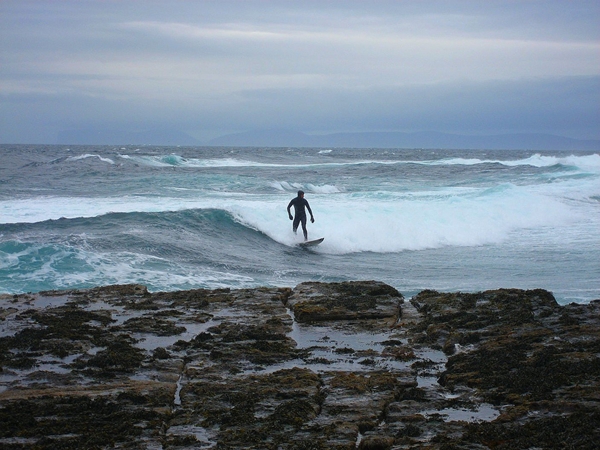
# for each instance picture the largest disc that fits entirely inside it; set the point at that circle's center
(311, 243)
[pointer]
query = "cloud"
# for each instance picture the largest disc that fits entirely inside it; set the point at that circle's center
(568, 105)
(210, 67)
(365, 56)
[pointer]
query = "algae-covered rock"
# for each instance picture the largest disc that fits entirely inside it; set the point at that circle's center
(353, 300)
(321, 366)
(517, 351)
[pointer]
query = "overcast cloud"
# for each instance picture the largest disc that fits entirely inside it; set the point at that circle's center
(209, 68)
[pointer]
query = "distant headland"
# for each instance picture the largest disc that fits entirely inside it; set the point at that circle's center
(288, 138)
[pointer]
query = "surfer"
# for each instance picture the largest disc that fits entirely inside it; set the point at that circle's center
(299, 203)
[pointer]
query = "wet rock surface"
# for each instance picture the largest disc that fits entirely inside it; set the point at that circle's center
(348, 365)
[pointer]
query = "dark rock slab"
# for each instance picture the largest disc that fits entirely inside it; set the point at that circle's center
(354, 300)
(519, 350)
(321, 366)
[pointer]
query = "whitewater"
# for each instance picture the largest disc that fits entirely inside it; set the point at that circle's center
(183, 217)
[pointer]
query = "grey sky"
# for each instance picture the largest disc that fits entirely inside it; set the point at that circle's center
(214, 67)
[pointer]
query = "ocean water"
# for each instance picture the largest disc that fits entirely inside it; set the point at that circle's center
(182, 217)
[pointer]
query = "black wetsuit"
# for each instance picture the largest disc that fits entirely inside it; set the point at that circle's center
(299, 203)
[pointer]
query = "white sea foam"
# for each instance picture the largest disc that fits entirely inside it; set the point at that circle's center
(293, 187)
(375, 222)
(173, 160)
(87, 155)
(94, 268)
(495, 219)
(397, 222)
(323, 189)
(39, 209)
(584, 162)
(368, 221)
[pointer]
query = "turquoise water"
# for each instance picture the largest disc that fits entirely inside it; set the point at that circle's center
(178, 218)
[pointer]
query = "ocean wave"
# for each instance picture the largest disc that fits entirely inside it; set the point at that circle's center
(284, 186)
(45, 266)
(44, 208)
(271, 205)
(537, 160)
(167, 218)
(179, 161)
(384, 223)
(174, 160)
(249, 242)
(88, 155)
(584, 162)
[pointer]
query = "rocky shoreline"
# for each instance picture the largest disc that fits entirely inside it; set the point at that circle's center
(348, 365)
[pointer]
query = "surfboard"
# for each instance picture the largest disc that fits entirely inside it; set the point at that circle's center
(311, 243)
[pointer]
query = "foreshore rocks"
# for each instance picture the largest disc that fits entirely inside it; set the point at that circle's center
(349, 365)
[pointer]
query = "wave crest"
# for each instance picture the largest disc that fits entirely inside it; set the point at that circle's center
(89, 155)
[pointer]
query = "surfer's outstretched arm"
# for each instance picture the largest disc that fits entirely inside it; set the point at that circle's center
(288, 209)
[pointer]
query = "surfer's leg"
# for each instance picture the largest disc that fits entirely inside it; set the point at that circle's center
(304, 228)
(295, 223)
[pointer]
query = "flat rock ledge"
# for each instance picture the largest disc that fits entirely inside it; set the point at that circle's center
(347, 365)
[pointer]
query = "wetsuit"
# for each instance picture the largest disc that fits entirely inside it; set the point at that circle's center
(299, 203)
